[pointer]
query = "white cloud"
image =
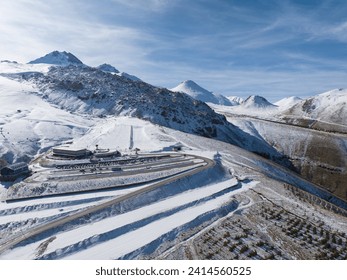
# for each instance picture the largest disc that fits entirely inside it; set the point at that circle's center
(318, 22)
(29, 30)
(148, 5)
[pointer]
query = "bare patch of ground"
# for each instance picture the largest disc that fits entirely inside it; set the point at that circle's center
(43, 246)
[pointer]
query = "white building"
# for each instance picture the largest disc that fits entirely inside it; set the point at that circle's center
(67, 151)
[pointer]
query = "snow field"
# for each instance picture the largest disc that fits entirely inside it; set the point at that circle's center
(123, 133)
(29, 124)
(175, 206)
(70, 239)
(26, 215)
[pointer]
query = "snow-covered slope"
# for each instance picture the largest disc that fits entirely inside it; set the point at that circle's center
(287, 102)
(254, 105)
(29, 125)
(235, 100)
(88, 90)
(107, 68)
(197, 92)
(328, 107)
(81, 90)
(58, 58)
(145, 224)
(8, 67)
(319, 157)
(257, 102)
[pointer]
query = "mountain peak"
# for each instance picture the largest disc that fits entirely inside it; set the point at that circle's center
(197, 92)
(58, 58)
(190, 83)
(107, 68)
(192, 86)
(257, 101)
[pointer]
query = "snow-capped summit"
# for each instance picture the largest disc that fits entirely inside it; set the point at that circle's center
(257, 102)
(58, 58)
(197, 92)
(108, 68)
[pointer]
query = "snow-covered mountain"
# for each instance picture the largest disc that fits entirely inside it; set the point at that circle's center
(58, 58)
(81, 90)
(89, 90)
(287, 102)
(29, 125)
(197, 92)
(327, 107)
(108, 68)
(235, 100)
(257, 102)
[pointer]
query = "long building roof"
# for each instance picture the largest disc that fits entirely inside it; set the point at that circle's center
(16, 166)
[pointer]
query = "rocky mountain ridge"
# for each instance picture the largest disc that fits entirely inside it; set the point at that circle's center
(58, 58)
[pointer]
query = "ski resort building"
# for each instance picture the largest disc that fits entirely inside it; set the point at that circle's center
(66, 151)
(101, 153)
(14, 171)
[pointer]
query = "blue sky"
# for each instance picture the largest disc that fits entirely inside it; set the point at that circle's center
(233, 47)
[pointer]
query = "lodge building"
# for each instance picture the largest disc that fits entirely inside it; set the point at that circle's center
(66, 151)
(14, 171)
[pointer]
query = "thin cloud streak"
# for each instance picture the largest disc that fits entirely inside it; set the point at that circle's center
(149, 5)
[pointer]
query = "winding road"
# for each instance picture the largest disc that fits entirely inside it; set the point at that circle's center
(16, 239)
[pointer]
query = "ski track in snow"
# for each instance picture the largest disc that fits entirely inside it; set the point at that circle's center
(116, 248)
(204, 199)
